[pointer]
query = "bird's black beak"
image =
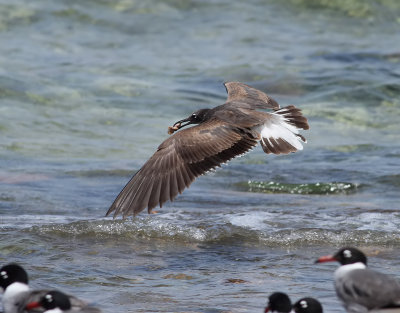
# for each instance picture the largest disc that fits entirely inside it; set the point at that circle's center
(179, 124)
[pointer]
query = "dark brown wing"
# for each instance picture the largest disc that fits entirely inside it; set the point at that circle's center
(256, 99)
(181, 158)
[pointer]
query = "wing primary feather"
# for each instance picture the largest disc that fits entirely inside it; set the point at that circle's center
(173, 185)
(185, 176)
(180, 180)
(143, 197)
(155, 194)
(164, 193)
(122, 195)
(128, 205)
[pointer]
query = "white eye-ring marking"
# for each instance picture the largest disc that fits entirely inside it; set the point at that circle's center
(347, 253)
(4, 274)
(49, 298)
(303, 304)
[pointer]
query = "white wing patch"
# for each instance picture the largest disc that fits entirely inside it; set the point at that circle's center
(278, 135)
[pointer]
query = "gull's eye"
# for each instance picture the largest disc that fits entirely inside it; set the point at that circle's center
(194, 116)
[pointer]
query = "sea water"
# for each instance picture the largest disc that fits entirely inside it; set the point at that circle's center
(87, 91)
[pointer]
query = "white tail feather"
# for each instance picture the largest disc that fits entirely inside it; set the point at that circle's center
(278, 127)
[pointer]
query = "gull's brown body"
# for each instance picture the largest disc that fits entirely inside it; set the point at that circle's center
(220, 134)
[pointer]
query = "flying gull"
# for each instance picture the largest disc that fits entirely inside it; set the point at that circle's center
(219, 135)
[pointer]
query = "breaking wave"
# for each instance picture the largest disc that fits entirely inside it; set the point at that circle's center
(251, 228)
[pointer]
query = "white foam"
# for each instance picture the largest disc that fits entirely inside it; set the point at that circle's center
(172, 229)
(253, 220)
(375, 220)
(29, 220)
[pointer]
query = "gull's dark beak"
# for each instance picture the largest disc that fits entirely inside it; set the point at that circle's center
(179, 124)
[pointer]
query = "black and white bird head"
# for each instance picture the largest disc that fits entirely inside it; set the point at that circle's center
(53, 302)
(345, 256)
(278, 302)
(307, 305)
(12, 273)
(360, 288)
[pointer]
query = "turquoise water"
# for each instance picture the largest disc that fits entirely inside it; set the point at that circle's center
(87, 91)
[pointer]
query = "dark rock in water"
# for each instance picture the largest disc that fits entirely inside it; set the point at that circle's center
(235, 281)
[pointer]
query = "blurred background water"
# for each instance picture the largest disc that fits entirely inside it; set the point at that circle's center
(87, 91)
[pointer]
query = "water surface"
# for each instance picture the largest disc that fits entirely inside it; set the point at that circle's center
(87, 92)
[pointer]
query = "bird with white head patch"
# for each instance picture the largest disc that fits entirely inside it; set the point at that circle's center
(359, 288)
(17, 294)
(279, 302)
(14, 283)
(308, 305)
(55, 301)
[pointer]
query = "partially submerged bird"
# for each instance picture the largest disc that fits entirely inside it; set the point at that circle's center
(17, 294)
(359, 288)
(55, 301)
(220, 134)
(279, 302)
(308, 305)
